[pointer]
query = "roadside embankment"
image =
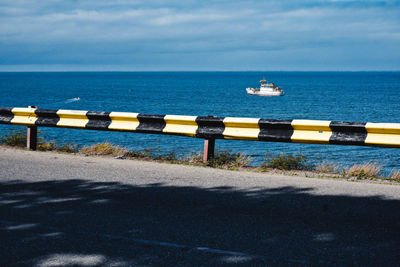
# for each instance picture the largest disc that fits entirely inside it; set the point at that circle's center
(22, 164)
(286, 164)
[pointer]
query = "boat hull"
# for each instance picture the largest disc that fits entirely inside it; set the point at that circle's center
(252, 91)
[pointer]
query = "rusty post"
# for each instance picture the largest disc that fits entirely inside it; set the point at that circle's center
(31, 136)
(209, 146)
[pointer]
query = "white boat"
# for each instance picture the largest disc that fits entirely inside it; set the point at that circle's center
(266, 89)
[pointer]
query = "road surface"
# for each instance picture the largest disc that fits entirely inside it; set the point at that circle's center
(63, 210)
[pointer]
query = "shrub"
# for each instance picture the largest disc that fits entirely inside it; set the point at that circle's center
(226, 159)
(326, 167)
(103, 149)
(18, 138)
(195, 158)
(286, 162)
(14, 138)
(362, 171)
(395, 175)
(145, 153)
(223, 159)
(68, 148)
(44, 146)
(230, 160)
(167, 157)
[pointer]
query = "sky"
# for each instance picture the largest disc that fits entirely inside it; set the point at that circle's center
(188, 35)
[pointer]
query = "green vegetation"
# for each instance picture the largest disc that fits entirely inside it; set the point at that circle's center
(152, 155)
(68, 148)
(17, 138)
(222, 159)
(286, 162)
(140, 154)
(226, 159)
(169, 157)
(14, 138)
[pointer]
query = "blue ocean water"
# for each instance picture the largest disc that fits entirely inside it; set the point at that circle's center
(341, 96)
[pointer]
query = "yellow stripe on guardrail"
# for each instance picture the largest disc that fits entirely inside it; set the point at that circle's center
(182, 125)
(311, 131)
(123, 121)
(241, 128)
(72, 118)
(24, 116)
(383, 134)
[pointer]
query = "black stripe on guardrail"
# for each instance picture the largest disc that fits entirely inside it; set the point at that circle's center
(46, 117)
(149, 123)
(6, 115)
(210, 127)
(275, 130)
(98, 120)
(348, 133)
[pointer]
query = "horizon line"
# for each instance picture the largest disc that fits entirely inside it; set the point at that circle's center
(16, 71)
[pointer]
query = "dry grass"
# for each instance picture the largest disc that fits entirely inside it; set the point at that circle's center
(46, 146)
(68, 148)
(14, 138)
(222, 159)
(327, 167)
(395, 175)
(17, 138)
(195, 158)
(103, 149)
(362, 171)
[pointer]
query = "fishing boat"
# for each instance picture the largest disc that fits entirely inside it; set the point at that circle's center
(266, 89)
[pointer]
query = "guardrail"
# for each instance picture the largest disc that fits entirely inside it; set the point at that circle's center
(208, 127)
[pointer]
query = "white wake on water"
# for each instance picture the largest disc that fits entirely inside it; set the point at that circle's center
(72, 100)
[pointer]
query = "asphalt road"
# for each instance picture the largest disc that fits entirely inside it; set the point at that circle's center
(67, 210)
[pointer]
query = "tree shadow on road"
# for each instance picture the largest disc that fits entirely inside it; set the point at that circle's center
(80, 222)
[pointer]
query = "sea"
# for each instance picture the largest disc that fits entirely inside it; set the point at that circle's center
(338, 96)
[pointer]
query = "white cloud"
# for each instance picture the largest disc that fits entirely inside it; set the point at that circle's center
(129, 27)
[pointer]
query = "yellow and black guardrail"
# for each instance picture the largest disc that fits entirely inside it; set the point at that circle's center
(211, 127)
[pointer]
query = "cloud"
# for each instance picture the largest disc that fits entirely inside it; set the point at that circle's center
(119, 32)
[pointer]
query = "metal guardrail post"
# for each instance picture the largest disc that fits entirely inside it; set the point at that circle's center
(31, 136)
(209, 147)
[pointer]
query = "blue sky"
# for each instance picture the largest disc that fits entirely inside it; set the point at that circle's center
(199, 35)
